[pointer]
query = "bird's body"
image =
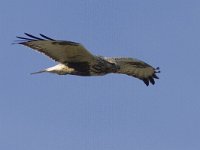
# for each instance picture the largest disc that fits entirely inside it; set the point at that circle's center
(74, 59)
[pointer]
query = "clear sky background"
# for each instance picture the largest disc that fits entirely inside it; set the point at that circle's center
(113, 112)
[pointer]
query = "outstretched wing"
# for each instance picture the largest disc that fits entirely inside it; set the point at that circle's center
(136, 68)
(61, 51)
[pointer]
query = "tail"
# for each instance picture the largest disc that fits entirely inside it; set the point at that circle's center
(58, 69)
(41, 71)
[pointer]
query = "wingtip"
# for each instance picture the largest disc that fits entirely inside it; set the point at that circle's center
(155, 76)
(146, 82)
(27, 34)
(157, 70)
(151, 80)
(46, 37)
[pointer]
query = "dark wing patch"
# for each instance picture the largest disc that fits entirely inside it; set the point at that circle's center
(66, 43)
(81, 68)
(139, 64)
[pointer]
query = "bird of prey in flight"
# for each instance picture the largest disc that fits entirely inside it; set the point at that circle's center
(73, 58)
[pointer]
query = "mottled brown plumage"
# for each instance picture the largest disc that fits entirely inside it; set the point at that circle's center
(75, 59)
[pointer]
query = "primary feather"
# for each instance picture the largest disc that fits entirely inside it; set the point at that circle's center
(75, 59)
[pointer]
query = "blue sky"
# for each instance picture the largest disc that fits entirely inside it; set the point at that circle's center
(113, 112)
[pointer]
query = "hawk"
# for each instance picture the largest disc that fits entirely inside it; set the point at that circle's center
(74, 59)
